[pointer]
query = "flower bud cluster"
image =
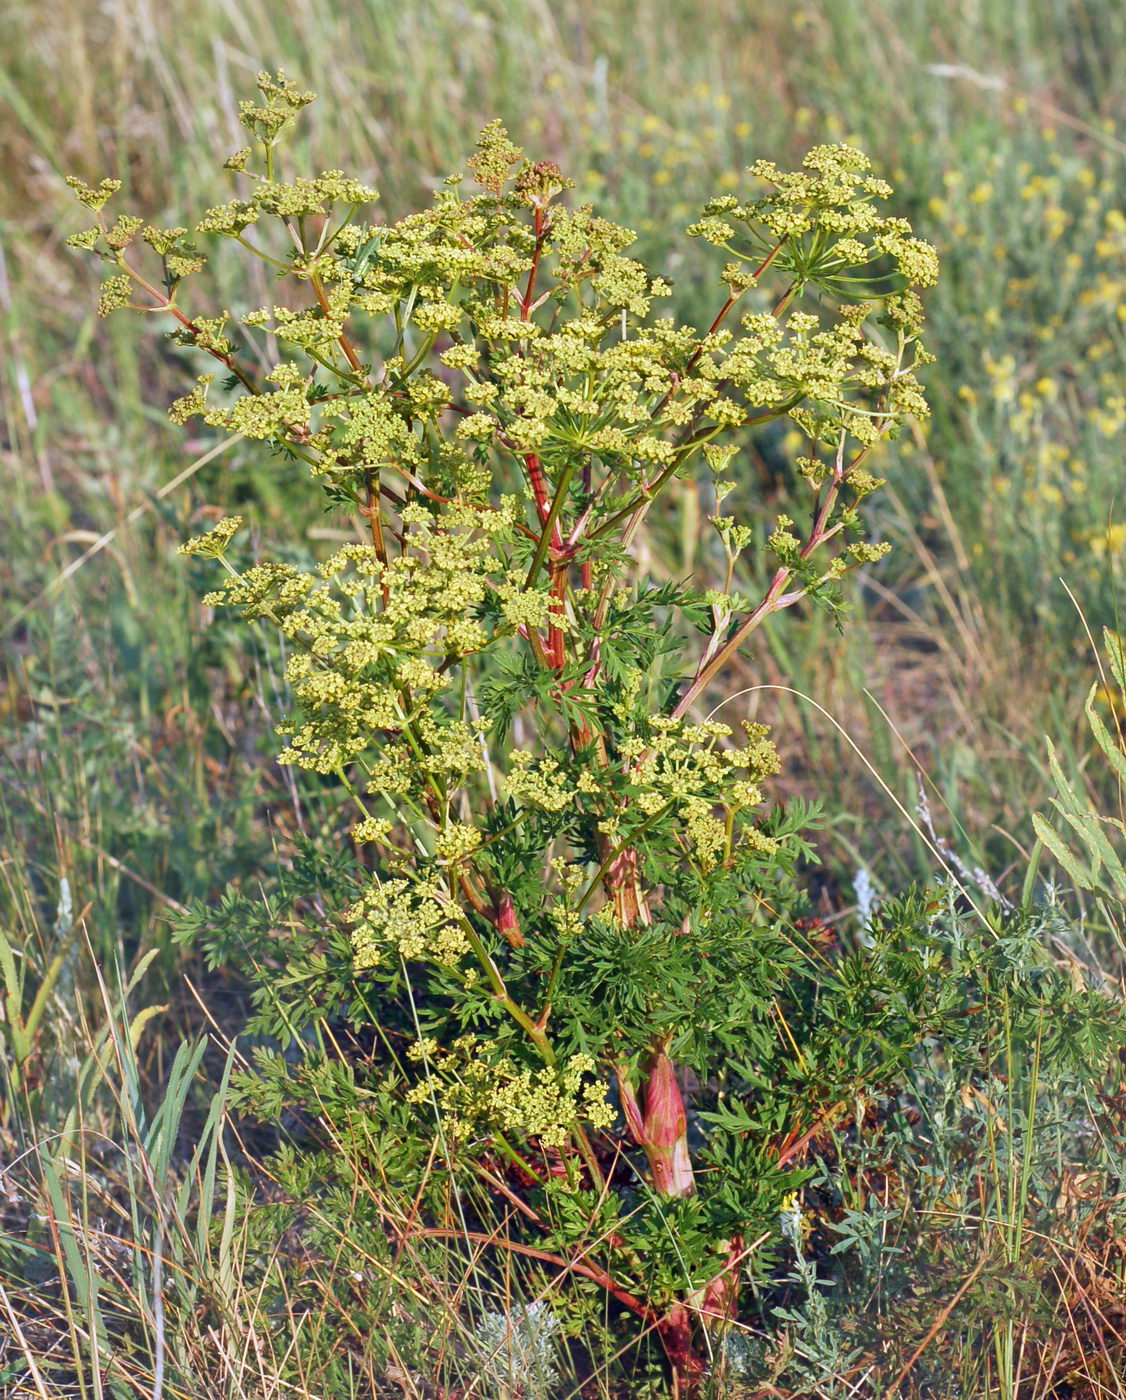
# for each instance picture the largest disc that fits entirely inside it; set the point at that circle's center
(474, 1089)
(372, 640)
(413, 920)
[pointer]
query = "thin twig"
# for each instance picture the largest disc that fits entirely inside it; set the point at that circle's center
(939, 1323)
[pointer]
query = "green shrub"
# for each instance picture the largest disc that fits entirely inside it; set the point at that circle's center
(548, 976)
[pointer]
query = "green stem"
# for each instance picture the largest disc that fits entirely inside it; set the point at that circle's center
(351, 791)
(644, 499)
(258, 253)
(549, 523)
(629, 840)
(326, 240)
(535, 1034)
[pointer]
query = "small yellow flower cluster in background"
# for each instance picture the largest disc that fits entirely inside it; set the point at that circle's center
(1108, 542)
(1039, 251)
(474, 1089)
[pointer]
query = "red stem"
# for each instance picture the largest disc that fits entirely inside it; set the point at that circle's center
(538, 483)
(540, 490)
(773, 600)
(570, 1266)
(526, 304)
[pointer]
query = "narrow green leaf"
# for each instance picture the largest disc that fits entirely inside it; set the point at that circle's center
(1083, 877)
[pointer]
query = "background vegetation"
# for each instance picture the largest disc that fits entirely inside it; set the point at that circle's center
(135, 775)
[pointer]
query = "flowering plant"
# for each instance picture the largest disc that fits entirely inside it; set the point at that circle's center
(570, 913)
